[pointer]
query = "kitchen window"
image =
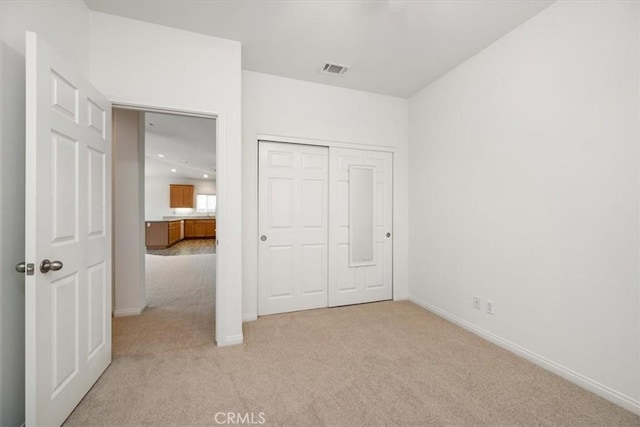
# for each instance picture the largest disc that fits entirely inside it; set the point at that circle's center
(206, 203)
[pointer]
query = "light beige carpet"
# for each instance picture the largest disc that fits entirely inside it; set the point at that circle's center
(180, 302)
(382, 364)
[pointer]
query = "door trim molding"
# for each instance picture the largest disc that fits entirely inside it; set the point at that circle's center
(165, 110)
(251, 141)
(127, 312)
(322, 143)
(224, 263)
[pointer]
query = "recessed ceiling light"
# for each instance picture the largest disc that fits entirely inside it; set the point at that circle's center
(206, 176)
(160, 155)
(173, 170)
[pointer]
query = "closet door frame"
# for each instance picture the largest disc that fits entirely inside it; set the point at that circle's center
(330, 145)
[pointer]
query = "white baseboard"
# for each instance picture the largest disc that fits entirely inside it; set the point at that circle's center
(601, 390)
(232, 340)
(127, 312)
(249, 317)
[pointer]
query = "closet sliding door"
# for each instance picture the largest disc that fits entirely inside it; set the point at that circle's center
(325, 218)
(360, 224)
(293, 221)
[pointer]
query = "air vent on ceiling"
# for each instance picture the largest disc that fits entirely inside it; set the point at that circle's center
(334, 69)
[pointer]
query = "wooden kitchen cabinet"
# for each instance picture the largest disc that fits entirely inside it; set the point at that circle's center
(180, 196)
(189, 229)
(199, 228)
(210, 228)
(174, 232)
(162, 234)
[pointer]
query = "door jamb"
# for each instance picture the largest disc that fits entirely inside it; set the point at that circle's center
(220, 283)
(324, 143)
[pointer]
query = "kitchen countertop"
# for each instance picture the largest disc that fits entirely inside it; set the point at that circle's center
(174, 218)
(178, 218)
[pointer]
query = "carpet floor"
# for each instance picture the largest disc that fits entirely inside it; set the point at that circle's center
(180, 308)
(380, 364)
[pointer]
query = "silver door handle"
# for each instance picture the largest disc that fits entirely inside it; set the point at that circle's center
(23, 267)
(46, 266)
(263, 238)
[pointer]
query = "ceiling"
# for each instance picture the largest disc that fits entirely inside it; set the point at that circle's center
(393, 47)
(186, 144)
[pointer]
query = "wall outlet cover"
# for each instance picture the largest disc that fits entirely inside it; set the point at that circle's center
(490, 307)
(476, 303)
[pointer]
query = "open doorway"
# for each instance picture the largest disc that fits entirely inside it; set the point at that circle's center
(176, 162)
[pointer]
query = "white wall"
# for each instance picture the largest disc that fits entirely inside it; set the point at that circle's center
(523, 183)
(301, 110)
(134, 62)
(65, 27)
(156, 196)
(128, 213)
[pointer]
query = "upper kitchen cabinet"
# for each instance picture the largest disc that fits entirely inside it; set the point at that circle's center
(180, 196)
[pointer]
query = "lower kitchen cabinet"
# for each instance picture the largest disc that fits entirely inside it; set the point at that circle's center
(189, 228)
(174, 232)
(162, 234)
(199, 228)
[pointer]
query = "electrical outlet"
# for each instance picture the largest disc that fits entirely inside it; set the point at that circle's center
(490, 307)
(476, 303)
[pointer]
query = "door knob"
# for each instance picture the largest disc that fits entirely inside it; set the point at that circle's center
(23, 267)
(263, 238)
(388, 234)
(46, 266)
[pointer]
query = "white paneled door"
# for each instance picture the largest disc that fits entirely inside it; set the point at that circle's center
(293, 220)
(361, 244)
(325, 222)
(68, 236)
